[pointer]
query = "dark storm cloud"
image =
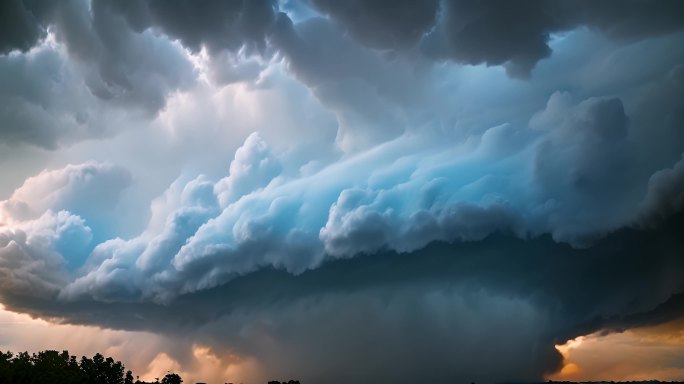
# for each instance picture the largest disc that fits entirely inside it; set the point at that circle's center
(370, 95)
(136, 70)
(122, 59)
(446, 312)
(665, 194)
(517, 33)
(497, 32)
(589, 143)
(384, 24)
(20, 26)
(115, 53)
(28, 90)
(47, 95)
(215, 24)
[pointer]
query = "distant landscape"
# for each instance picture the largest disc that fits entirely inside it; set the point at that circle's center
(53, 367)
(596, 382)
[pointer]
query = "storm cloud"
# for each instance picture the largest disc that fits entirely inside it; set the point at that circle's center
(496, 32)
(421, 190)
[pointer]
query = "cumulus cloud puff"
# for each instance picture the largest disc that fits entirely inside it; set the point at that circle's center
(47, 224)
(89, 190)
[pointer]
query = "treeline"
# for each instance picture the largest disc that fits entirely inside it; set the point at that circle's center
(52, 367)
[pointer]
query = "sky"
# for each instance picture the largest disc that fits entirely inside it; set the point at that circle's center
(362, 191)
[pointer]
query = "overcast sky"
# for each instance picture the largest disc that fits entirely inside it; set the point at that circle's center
(345, 191)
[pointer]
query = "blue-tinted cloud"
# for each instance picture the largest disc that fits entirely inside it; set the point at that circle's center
(560, 176)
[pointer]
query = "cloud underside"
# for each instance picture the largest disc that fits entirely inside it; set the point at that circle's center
(452, 310)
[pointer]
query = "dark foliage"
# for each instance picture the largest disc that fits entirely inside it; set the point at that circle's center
(51, 367)
(172, 378)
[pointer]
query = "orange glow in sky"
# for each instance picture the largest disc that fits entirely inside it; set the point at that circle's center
(650, 353)
(148, 355)
(637, 354)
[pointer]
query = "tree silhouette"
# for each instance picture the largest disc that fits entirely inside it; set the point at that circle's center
(52, 367)
(172, 378)
(102, 370)
(129, 378)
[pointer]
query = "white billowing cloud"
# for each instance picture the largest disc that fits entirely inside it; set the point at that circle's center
(129, 269)
(254, 167)
(34, 254)
(371, 224)
(50, 224)
(398, 196)
(561, 174)
(90, 190)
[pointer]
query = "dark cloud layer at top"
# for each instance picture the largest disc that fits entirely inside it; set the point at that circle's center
(20, 27)
(214, 24)
(50, 98)
(497, 32)
(132, 69)
(384, 24)
(493, 32)
(123, 61)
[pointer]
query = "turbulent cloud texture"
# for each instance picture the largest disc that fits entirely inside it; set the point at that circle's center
(419, 189)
